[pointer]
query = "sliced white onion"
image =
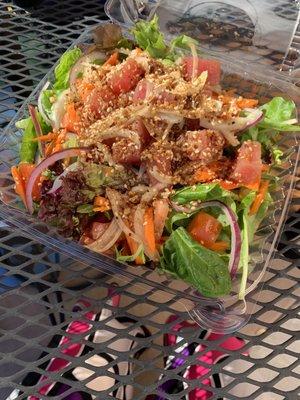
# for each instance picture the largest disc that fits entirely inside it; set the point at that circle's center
(58, 109)
(58, 180)
(59, 155)
(114, 132)
(78, 67)
(236, 240)
(40, 104)
(162, 178)
(139, 189)
(108, 239)
(141, 172)
(116, 202)
(152, 192)
(195, 60)
(168, 117)
(239, 124)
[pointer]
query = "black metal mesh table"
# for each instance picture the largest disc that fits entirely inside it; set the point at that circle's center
(39, 288)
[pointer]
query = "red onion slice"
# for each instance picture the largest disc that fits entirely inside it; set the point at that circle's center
(107, 239)
(44, 164)
(236, 240)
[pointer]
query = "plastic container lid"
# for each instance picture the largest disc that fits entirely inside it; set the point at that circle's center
(253, 31)
(261, 81)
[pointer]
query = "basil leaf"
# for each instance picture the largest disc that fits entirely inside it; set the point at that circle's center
(204, 192)
(188, 260)
(177, 219)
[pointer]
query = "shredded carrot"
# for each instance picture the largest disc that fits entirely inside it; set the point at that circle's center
(25, 170)
(85, 90)
(133, 245)
(20, 186)
(57, 145)
(204, 176)
(46, 138)
(101, 204)
(49, 148)
(259, 198)
(252, 186)
(226, 98)
(113, 59)
(149, 231)
(265, 168)
(218, 246)
(71, 119)
(240, 102)
(246, 103)
(229, 185)
(21, 175)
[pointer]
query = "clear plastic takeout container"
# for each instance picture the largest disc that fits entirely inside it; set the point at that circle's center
(238, 38)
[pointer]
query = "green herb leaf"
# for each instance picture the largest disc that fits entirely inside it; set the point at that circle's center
(125, 43)
(177, 219)
(85, 209)
(186, 259)
(204, 192)
(149, 38)
(182, 42)
(131, 258)
(278, 110)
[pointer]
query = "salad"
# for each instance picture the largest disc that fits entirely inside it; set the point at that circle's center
(136, 151)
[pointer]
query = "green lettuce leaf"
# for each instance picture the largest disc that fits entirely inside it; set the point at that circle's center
(279, 116)
(180, 43)
(149, 38)
(186, 259)
(62, 71)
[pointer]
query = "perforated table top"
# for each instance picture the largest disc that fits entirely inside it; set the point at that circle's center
(108, 350)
